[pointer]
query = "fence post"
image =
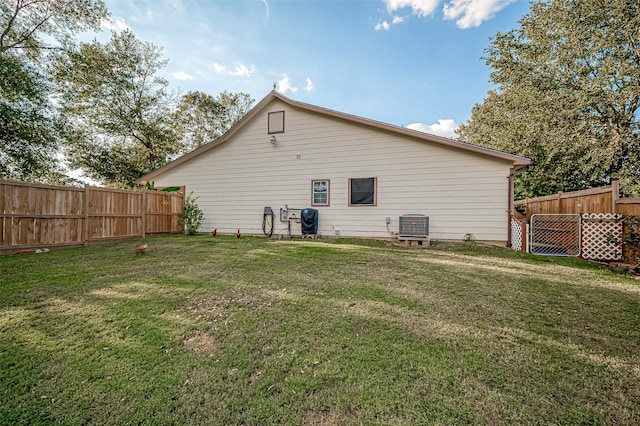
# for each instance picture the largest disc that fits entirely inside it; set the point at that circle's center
(144, 212)
(560, 202)
(615, 195)
(85, 221)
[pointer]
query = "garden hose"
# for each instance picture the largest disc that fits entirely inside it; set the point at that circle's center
(267, 223)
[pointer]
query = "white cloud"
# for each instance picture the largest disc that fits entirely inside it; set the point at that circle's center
(284, 85)
(444, 127)
(384, 25)
(309, 85)
(266, 4)
(243, 70)
(239, 70)
(181, 75)
(472, 13)
(118, 25)
(467, 13)
(219, 68)
(418, 7)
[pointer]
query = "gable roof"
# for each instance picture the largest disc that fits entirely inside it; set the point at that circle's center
(518, 162)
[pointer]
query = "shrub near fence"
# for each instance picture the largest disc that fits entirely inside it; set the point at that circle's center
(41, 216)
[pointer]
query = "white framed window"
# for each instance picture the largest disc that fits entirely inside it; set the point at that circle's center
(363, 191)
(320, 190)
(276, 122)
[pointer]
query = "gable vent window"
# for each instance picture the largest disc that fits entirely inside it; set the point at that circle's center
(276, 122)
(362, 192)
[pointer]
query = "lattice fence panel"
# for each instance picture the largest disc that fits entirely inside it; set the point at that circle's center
(516, 235)
(555, 234)
(601, 236)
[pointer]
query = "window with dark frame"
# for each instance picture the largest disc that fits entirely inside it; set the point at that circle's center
(276, 122)
(362, 192)
(320, 192)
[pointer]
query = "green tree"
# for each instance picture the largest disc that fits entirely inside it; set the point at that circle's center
(201, 118)
(567, 95)
(118, 109)
(30, 129)
(23, 23)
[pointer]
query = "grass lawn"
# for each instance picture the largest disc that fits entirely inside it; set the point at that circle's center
(258, 331)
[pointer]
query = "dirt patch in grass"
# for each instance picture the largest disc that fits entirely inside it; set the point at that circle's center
(211, 306)
(215, 306)
(200, 342)
(331, 416)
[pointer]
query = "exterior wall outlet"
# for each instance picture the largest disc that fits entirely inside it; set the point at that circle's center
(388, 220)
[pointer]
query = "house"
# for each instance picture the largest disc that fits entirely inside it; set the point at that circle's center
(357, 173)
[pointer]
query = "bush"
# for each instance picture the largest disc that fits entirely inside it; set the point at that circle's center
(631, 238)
(191, 216)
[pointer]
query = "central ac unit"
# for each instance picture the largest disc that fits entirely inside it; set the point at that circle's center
(414, 226)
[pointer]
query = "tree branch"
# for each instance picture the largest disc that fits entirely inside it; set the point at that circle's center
(25, 36)
(9, 25)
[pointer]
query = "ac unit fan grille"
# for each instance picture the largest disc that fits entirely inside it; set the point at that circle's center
(413, 225)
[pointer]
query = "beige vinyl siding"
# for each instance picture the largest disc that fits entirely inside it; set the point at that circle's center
(461, 192)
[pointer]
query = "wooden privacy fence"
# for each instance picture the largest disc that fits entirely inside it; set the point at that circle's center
(41, 216)
(603, 200)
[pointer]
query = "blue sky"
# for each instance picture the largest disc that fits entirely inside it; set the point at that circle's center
(415, 63)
